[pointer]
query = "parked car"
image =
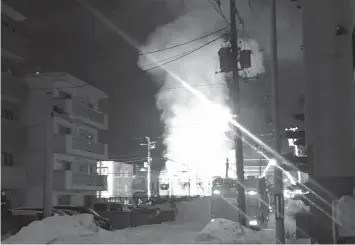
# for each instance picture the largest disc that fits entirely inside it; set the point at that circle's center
(111, 206)
(99, 220)
(70, 212)
(34, 211)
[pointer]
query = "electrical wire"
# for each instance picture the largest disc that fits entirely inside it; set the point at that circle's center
(185, 54)
(181, 44)
(163, 60)
(174, 58)
(219, 12)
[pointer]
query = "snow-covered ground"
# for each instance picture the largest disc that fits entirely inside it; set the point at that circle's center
(193, 225)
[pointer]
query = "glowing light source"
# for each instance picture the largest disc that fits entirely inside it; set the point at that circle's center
(216, 192)
(251, 193)
(253, 222)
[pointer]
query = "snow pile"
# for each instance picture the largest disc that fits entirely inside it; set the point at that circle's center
(62, 229)
(223, 231)
(197, 210)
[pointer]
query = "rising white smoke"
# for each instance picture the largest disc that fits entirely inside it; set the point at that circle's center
(195, 136)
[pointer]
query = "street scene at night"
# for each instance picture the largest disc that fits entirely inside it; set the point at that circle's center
(177, 121)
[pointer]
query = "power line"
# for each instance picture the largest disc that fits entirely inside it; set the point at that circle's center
(185, 54)
(219, 12)
(181, 44)
(174, 58)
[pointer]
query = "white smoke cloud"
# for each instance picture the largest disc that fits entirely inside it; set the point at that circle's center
(195, 136)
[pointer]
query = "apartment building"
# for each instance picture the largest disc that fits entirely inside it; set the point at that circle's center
(13, 97)
(63, 120)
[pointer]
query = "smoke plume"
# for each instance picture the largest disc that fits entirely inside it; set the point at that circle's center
(195, 136)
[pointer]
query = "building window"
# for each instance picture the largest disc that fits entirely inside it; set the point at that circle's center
(7, 159)
(63, 130)
(7, 114)
(92, 169)
(63, 200)
(84, 168)
(66, 165)
(64, 94)
(104, 171)
(85, 134)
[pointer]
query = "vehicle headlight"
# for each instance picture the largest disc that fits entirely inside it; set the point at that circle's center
(252, 193)
(216, 192)
(253, 222)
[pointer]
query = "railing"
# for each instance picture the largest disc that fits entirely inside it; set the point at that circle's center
(84, 111)
(89, 179)
(89, 146)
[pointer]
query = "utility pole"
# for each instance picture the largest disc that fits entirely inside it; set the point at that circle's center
(236, 108)
(278, 180)
(48, 163)
(150, 145)
(227, 167)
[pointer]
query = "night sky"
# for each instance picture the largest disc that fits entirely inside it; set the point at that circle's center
(66, 37)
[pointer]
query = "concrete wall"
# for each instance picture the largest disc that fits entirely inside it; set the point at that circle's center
(328, 61)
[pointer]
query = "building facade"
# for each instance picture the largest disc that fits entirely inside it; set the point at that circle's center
(140, 182)
(13, 97)
(63, 120)
(119, 179)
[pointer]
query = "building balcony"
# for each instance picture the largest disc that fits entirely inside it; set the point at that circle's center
(13, 89)
(81, 112)
(13, 177)
(13, 45)
(68, 144)
(68, 180)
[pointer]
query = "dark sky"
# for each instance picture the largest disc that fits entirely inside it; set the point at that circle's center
(66, 37)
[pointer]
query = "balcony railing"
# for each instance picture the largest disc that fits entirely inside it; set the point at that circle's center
(68, 180)
(89, 179)
(89, 146)
(91, 114)
(79, 146)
